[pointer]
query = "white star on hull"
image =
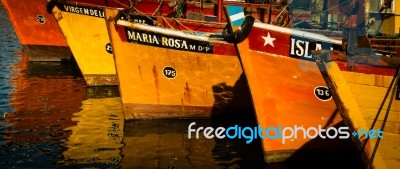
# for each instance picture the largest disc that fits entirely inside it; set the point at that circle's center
(268, 40)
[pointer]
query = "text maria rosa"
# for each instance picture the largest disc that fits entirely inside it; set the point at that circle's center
(166, 41)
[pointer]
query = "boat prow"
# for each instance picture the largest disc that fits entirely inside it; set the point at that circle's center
(166, 73)
(91, 47)
(287, 88)
(38, 32)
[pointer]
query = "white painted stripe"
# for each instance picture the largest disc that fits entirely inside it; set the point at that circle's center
(295, 32)
(159, 30)
(237, 16)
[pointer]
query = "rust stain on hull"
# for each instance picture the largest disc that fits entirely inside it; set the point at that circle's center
(170, 97)
(101, 79)
(156, 83)
(140, 72)
(187, 94)
(157, 111)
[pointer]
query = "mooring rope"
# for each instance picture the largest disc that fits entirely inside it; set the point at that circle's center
(382, 104)
(384, 99)
(120, 3)
(158, 8)
(187, 28)
(385, 118)
(132, 7)
(166, 21)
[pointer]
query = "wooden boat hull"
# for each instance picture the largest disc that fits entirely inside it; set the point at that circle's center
(88, 39)
(159, 81)
(91, 47)
(37, 30)
(285, 82)
(283, 94)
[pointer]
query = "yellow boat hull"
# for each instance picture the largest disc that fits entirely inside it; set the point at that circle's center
(88, 39)
(202, 83)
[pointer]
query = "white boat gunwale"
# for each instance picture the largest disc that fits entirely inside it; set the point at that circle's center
(299, 33)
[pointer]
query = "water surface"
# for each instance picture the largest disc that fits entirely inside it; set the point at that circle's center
(49, 118)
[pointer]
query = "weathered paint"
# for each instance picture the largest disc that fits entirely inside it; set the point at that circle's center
(47, 53)
(282, 89)
(23, 14)
(36, 37)
(88, 39)
(282, 92)
(204, 82)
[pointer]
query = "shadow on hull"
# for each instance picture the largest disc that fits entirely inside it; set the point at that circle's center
(41, 53)
(345, 156)
(232, 101)
(343, 151)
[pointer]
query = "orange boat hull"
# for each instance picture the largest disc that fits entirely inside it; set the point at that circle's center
(284, 82)
(37, 30)
(203, 81)
(283, 95)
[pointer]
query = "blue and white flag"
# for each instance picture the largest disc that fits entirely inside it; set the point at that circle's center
(236, 15)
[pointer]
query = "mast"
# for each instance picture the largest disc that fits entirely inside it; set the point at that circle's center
(367, 9)
(219, 10)
(324, 17)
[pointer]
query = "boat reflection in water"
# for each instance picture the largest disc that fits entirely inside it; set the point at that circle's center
(97, 138)
(165, 144)
(43, 99)
(150, 145)
(101, 139)
(57, 121)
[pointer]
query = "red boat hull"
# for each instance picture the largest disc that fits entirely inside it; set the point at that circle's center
(37, 30)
